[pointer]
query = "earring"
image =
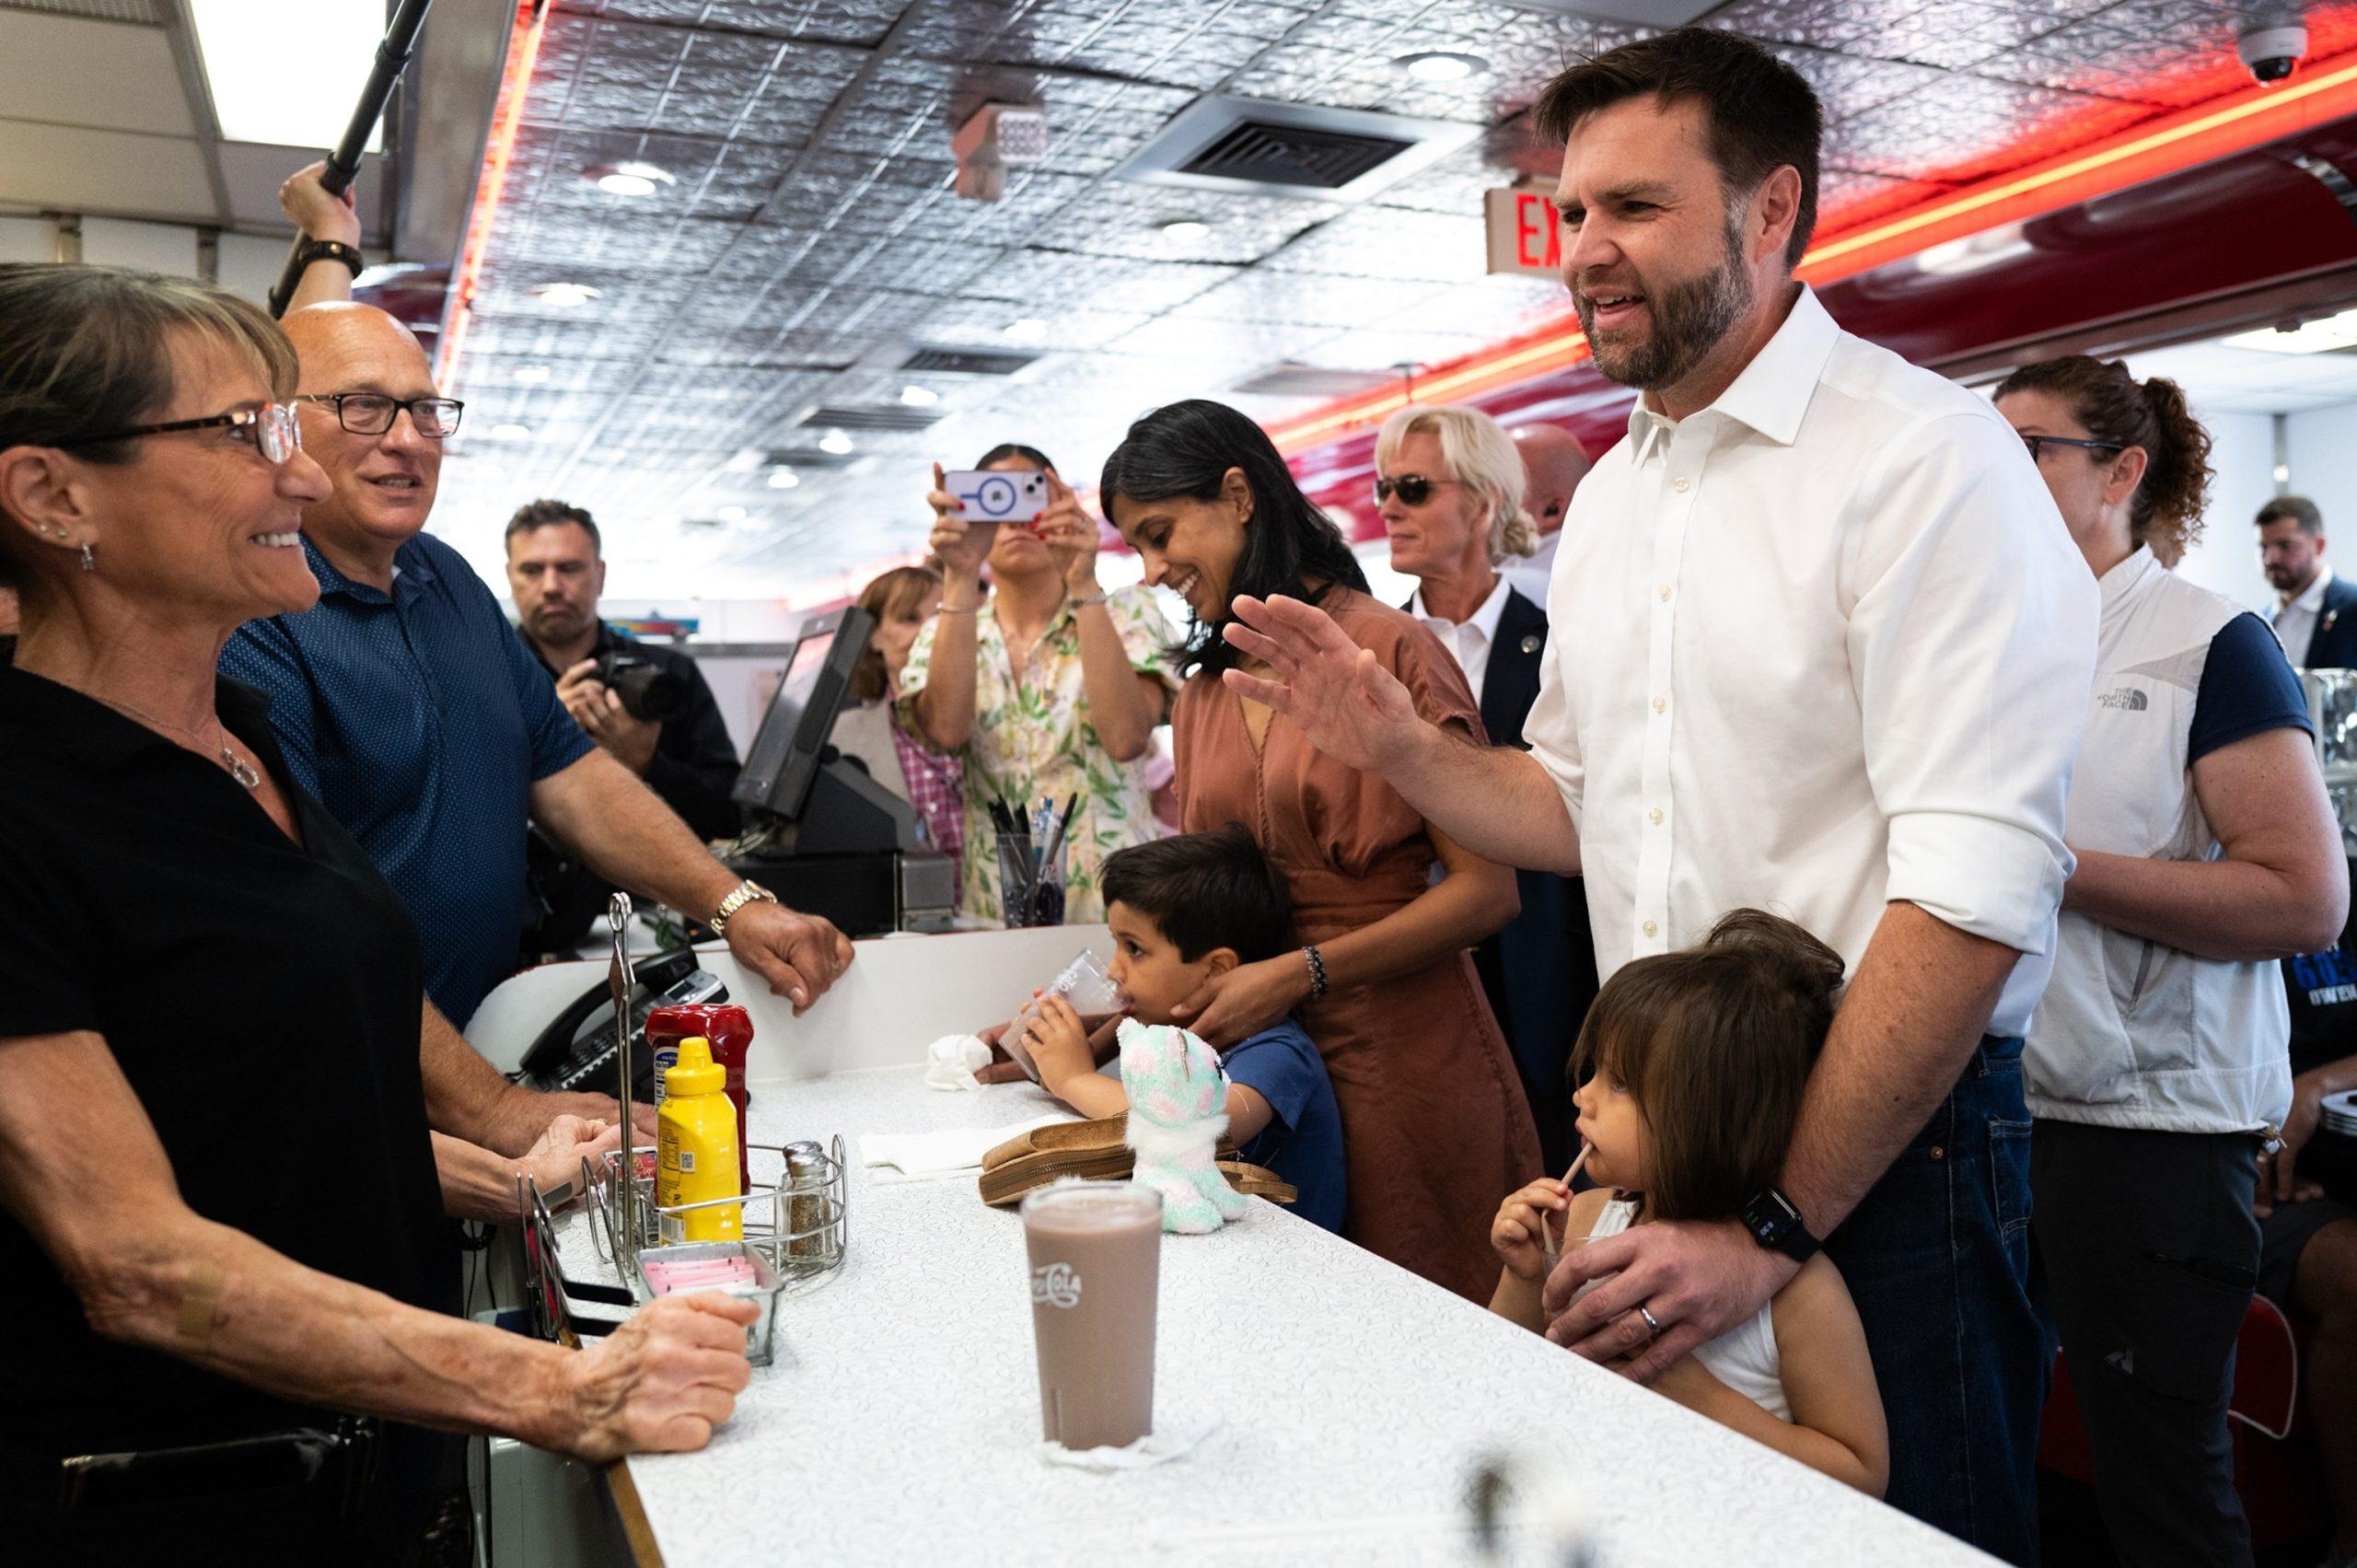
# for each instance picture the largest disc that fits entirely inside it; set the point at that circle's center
(88, 564)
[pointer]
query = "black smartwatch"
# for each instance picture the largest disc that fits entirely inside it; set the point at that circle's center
(312, 251)
(1776, 1225)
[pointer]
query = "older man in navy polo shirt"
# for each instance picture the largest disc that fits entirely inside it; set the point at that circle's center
(409, 707)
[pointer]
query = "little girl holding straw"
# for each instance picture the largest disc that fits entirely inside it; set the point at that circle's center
(1695, 1063)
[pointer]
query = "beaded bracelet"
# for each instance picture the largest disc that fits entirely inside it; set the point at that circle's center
(1317, 974)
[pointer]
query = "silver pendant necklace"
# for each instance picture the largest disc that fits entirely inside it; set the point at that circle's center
(240, 769)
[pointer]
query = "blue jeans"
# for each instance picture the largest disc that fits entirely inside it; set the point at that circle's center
(1937, 1258)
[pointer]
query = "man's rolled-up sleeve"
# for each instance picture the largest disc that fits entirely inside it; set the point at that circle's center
(1972, 645)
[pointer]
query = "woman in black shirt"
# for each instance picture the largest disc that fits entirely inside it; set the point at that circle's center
(218, 1203)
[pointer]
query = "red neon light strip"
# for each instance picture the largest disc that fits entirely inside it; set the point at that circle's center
(506, 117)
(2250, 118)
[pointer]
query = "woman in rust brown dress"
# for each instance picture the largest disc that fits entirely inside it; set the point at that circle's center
(1435, 1128)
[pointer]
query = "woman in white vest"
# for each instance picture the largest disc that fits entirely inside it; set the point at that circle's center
(2156, 1065)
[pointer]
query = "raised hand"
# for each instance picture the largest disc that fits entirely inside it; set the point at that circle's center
(962, 546)
(1335, 691)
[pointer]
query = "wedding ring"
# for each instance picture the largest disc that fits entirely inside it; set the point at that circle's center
(1651, 1328)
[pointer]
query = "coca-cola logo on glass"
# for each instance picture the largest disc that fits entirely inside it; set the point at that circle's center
(1055, 1285)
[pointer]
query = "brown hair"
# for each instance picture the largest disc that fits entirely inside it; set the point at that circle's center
(2292, 509)
(533, 515)
(1760, 113)
(86, 349)
(2165, 512)
(1716, 1043)
(895, 592)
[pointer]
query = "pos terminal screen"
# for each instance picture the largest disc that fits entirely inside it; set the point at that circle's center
(785, 756)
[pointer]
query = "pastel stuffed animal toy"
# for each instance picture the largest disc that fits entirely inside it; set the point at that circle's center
(1178, 1113)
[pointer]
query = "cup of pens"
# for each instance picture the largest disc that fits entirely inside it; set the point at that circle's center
(1031, 841)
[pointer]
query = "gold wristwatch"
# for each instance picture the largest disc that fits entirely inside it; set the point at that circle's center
(742, 894)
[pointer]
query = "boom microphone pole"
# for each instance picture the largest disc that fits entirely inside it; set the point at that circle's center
(344, 164)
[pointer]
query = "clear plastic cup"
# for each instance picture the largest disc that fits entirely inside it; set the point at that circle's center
(1085, 984)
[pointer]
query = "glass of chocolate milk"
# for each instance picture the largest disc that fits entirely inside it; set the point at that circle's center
(1096, 1251)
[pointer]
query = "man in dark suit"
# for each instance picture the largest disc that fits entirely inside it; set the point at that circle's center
(2313, 611)
(1450, 495)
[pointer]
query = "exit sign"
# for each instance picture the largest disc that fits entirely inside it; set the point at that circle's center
(1525, 236)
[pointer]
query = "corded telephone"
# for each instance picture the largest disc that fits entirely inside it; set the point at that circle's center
(576, 1051)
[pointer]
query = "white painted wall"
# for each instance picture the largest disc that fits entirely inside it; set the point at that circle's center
(2323, 469)
(2225, 559)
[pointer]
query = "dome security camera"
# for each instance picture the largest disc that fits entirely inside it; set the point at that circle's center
(2270, 48)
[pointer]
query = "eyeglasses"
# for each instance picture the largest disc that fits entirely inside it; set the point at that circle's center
(1413, 488)
(276, 433)
(2036, 444)
(372, 413)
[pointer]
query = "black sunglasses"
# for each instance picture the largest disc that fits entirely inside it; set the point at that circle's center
(2037, 442)
(1413, 488)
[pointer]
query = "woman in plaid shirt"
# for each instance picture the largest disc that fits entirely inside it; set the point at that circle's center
(902, 600)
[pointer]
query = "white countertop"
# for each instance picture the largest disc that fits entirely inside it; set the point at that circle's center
(1354, 1401)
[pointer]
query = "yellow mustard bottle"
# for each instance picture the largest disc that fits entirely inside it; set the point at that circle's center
(696, 1149)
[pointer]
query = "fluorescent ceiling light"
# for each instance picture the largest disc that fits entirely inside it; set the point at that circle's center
(1974, 252)
(289, 72)
(2311, 337)
(1441, 66)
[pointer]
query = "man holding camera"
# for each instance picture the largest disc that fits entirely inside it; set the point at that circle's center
(648, 705)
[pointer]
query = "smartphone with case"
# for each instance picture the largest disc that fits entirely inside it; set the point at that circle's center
(993, 495)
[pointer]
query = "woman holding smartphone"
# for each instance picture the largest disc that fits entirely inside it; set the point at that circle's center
(1048, 686)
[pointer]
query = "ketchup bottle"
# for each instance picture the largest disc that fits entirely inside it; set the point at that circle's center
(730, 1032)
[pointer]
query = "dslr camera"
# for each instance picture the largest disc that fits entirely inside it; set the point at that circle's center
(649, 692)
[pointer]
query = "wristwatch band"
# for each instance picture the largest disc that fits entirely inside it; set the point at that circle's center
(1775, 1223)
(312, 251)
(742, 894)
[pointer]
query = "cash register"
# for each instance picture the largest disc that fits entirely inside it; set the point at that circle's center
(822, 835)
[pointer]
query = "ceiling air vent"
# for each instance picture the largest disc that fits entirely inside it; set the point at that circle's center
(870, 416)
(804, 458)
(1310, 381)
(1293, 149)
(967, 362)
(1292, 155)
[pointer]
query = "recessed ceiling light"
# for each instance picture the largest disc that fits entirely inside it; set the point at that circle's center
(732, 514)
(836, 442)
(784, 479)
(628, 179)
(1185, 229)
(1031, 330)
(563, 295)
(1440, 66)
(287, 72)
(531, 375)
(511, 432)
(2309, 337)
(919, 397)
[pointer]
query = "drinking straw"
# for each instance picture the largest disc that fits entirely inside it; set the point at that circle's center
(1554, 1249)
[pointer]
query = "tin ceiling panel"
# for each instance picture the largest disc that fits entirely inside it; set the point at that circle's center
(809, 241)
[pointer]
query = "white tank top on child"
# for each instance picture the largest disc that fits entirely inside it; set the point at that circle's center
(1744, 1357)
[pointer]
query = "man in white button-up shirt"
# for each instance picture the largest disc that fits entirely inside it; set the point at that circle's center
(1820, 644)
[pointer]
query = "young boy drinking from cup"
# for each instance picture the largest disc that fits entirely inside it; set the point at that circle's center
(1183, 910)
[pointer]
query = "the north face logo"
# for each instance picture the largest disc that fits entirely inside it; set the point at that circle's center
(2126, 697)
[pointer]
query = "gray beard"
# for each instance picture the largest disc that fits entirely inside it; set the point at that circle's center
(1690, 320)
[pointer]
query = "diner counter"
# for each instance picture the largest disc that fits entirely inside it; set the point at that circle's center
(1351, 1402)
